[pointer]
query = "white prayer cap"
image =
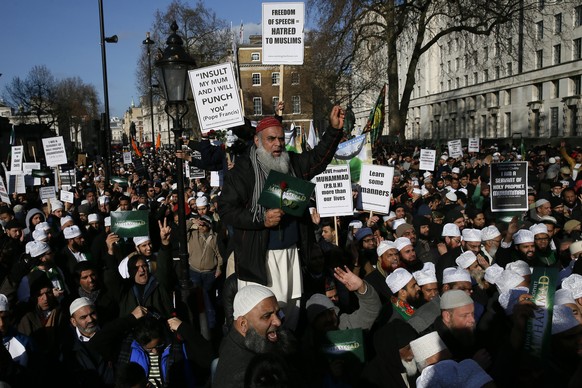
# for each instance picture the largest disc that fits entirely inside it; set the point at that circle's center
(520, 267)
(574, 284)
(489, 233)
(576, 247)
(464, 191)
(78, 303)
(398, 279)
(454, 298)
(191, 199)
(39, 235)
(44, 226)
(444, 157)
(93, 218)
(492, 273)
(248, 297)
(427, 174)
(449, 373)
(452, 275)
(451, 230)
(140, 240)
(57, 205)
(466, 259)
(538, 229)
(426, 275)
(552, 160)
(199, 194)
(417, 191)
(402, 242)
(427, 346)
(510, 298)
(107, 221)
(355, 224)
(451, 196)
(201, 201)
(384, 246)
(563, 319)
(66, 219)
(4, 305)
(523, 236)
(38, 248)
(122, 268)
(456, 170)
(71, 232)
(103, 200)
(160, 199)
(398, 222)
(471, 235)
(563, 296)
(541, 202)
(508, 280)
(423, 191)
(84, 202)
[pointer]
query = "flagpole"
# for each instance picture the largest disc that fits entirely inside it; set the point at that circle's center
(281, 70)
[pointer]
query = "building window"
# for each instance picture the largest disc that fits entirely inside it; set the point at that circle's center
(539, 59)
(466, 80)
(475, 58)
(556, 89)
(541, 4)
(578, 16)
(558, 23)
(275, 101)
(449, 85)
(457, 82)
(255, 57)
(507, 124)
(457, 63)
(557, 54)
(554, 121)
(294, 78)
(507, 96)
(256, 79)
(538, 92)
(577, 48)
(257, 106)
(540, 30)
(296, 101)
(486, 53)
(509, 68)
(475, 78)
(509, 45)
(576, 85)
(275, 78)
(485, 75)
(497, 72)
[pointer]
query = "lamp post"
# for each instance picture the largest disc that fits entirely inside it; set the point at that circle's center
(173, 68)
(148, 42)
(106, 124)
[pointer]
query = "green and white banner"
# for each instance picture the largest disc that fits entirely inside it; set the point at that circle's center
(132, 223)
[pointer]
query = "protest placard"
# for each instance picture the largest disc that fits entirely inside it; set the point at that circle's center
(216, 97)
(47, 192)
(130, 223)
(376, 183)
(16, 158)
(54, 151)
(216, 178)
(127, 158)
(4, 197)
(509, 186)
(427, 159)
(333, 191)
(16, 183)
(455, 148)
(286, 192)
(283, 40)
(67, 196)
(347, 344)
(473, 144)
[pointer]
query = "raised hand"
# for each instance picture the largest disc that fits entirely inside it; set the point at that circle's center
(349, 279)
(336, 117)
(165, 231)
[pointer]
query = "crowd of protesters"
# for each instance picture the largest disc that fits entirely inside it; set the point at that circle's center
(439, 287)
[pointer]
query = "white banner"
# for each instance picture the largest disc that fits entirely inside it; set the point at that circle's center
(376, 183)
(216, 96)
(16, 158)
(47, 192)
(54, 151)
(67, 196)
(427, 159)
(216, 178)
(283, 40)
(333, 190)
(473, 144)
(455, 148)
(3, 192)
(127, 158)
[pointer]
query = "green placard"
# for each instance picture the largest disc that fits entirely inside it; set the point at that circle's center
(345, 344)
(131, 223)
(286, 192)
(539, 327)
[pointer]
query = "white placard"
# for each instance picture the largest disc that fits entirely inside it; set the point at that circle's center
(67, 196)
(27, 170)
(455, 148)
(16, 183)
(283, 39)
(376, 183)
(47, 192)
(127, 158)
(16, 158)
(333, 190)
(216, 96)
(473, 144)
(216, 178)
(54, 151)
(427, 159)
(3, 192)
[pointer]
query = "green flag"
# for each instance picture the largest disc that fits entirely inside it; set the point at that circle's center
(375, 123)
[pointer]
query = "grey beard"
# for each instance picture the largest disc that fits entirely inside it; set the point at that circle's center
(410, 366)
(479, 276)
(260, 345)
(268, 162)
(492, 251)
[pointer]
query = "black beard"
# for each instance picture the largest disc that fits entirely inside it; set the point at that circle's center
(261, 345)
(466, 337)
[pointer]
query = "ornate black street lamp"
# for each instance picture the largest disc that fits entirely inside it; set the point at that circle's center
(173, 66)
(148, 42)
